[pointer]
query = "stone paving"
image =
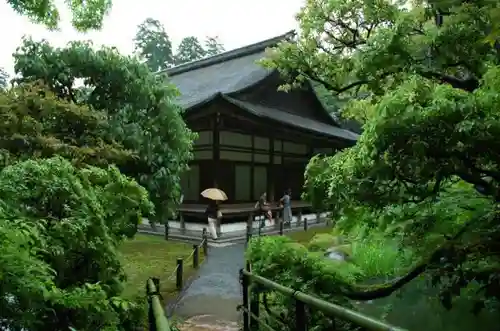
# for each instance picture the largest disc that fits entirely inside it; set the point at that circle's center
(216, 291)
(207, 323)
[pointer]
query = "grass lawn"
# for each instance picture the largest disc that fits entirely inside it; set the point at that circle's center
(152, 256)
(304, 237)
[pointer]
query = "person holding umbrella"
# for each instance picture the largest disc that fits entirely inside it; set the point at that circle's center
(213, 212)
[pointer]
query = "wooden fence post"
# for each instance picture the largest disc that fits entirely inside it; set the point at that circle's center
(183, 223)
(300, 316)
(249, 233)
(254, 303)
(151, 315)
(318, 217)
(254, 309)
(299, 217)
(178, 278)
(250, 221)
(196, 257)
(281, 228)
(205, 242)
(305, 224)
(245, 284)
(156, 281)
(166, 230)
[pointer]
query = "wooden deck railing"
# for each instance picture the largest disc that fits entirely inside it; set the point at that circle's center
(251, 306)
(246, 210)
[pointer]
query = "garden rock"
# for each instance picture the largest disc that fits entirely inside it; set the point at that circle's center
(323, 241)
(337, 254)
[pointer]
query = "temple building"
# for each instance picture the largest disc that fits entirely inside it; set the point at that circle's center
(252, 137)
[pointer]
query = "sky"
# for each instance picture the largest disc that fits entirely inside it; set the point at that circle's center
(236, 23)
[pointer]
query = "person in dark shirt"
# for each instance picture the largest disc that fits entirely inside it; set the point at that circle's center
(213, 213)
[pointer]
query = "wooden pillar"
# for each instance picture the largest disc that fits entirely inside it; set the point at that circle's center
(252, 170)
(270, 177)
(283, 178)
(310, 150)
(216, 159)
(216, 148)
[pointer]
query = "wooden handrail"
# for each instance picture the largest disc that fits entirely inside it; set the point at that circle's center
(305, 299)
(156, 314)
(157, 319)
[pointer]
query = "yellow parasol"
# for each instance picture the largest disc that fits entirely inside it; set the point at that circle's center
(214, 194)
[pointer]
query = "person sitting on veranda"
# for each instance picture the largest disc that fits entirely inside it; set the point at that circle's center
(264, 208)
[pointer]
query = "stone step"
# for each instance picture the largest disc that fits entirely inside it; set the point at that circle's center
(212, 307)
(207, 323)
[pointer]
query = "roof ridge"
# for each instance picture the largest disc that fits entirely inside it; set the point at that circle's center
(226, 56)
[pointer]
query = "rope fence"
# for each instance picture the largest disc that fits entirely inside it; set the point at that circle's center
(157, 320)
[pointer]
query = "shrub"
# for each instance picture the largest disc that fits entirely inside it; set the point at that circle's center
(60, 227)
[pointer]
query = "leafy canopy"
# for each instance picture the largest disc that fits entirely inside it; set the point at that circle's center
(152, 44)
(430, 83)
(4, 79)
(35, 123)
(189, 49)
(213, 46)
(138, 108)
(86, 15)
(60, 227)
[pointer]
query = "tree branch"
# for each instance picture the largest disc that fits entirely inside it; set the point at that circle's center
(468, 85)
(389, 289)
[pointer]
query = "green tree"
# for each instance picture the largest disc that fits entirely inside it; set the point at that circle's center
(4, 79)
(86, 15)
(213, 46)
(138, 104)
(189, 49)
(430, 128)
(153, 45)
(35, 123)
(60, 227)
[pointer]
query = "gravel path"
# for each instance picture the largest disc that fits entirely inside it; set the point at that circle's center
(216, 290)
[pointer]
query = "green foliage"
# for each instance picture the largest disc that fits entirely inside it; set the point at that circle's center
(4, 79)
(189, 49)
(153, 45)
(60, 227)
(35, 123)
(308, 270)
(137, 105)
(323, 241)
(86, 15)
(290, 264)
(424, 173)
(213, 46)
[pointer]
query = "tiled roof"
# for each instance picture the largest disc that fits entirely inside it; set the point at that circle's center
(233, 71)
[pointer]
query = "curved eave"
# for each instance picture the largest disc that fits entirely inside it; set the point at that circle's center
(300, 123)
